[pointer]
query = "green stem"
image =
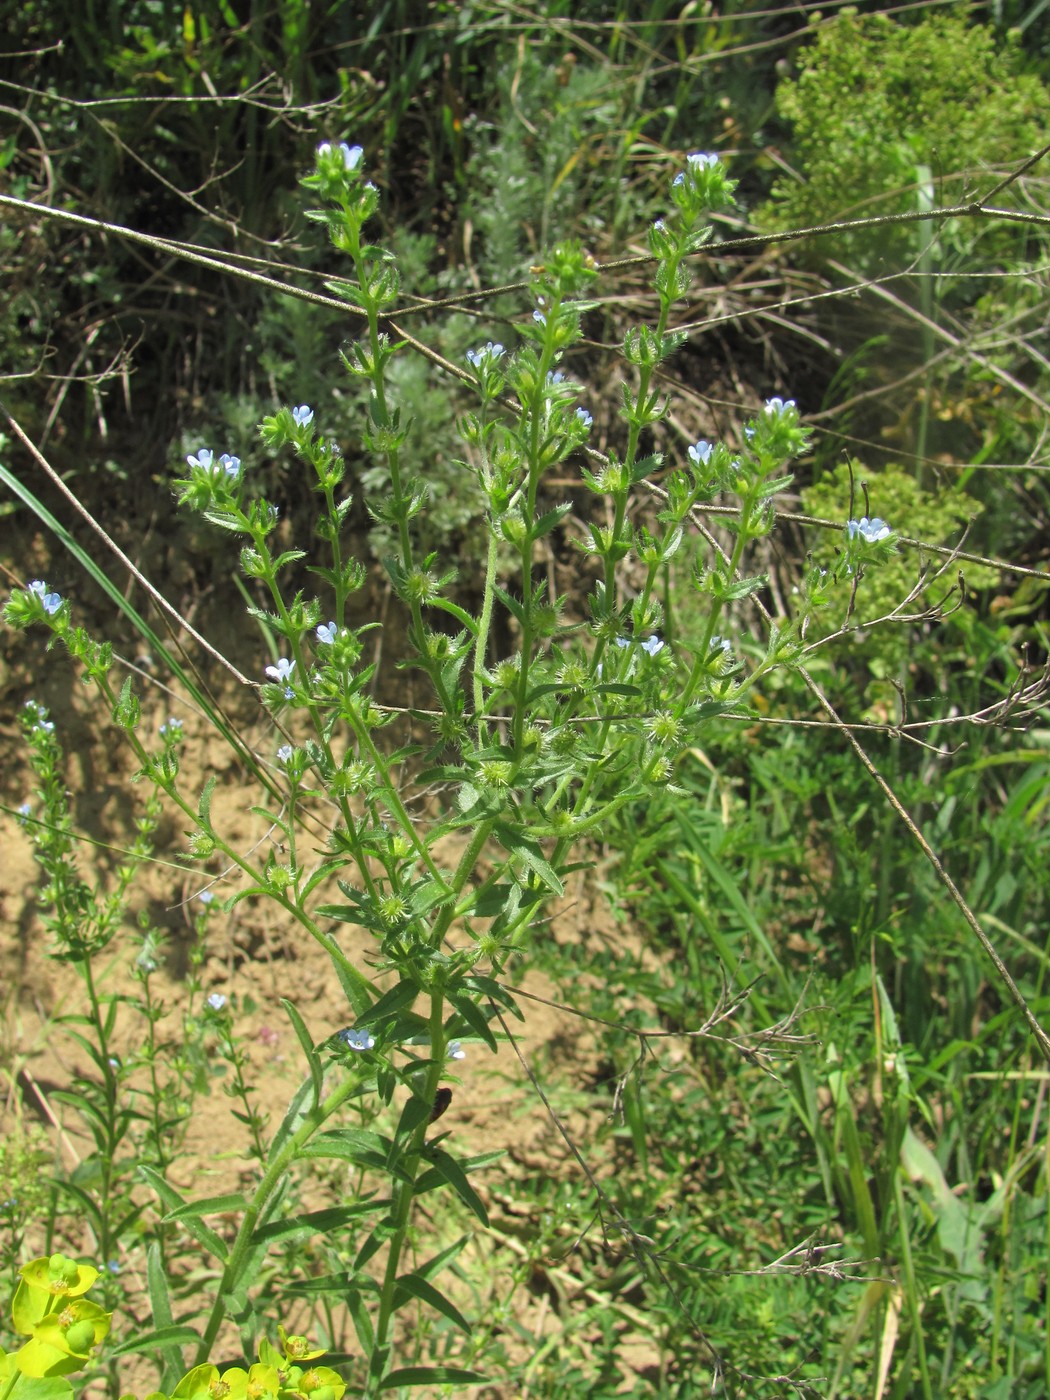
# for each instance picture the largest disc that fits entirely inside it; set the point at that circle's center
(911, 1290)
(242, 1245)
(405, 1191)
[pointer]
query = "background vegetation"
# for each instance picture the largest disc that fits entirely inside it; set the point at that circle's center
(872, 1217)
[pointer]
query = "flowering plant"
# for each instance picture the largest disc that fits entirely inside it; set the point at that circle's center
(536, 734)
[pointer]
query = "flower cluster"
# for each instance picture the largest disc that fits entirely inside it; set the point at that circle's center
(871, 530)
(282, 674)
(488, 352)
(50, 602)
(351, 154)
(696, 162)
(226, 466)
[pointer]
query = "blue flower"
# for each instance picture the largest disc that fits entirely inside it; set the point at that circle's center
(282, 671)
(351, 155)
(173, 726)
(230, 465)
(584, 417)
(540, 317)
(554, 376)
(303, 415)
(698, 160)
(50, 602)
(216, 1001)
(652, 645)
(285, 754)
(202, 459)
(700, 452)
(487, 352)
(717, 642)
(777, 405)
(623, 641)
(24, 811)
(206, 896)
(356, 1040)
(871, 530)
(455, 1051)
(327, 633)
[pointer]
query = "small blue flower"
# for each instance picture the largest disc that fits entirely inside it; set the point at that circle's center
(623, 641)
(282, 671)
(652, 645)
(202, 459)
(230, 465)
(303, 415)
(327, 633)
(216, 1001)
(46, 726)
(490, 351)
(206, 896)
(356, 1040)
(351, 155)
(718, 642)
(540, 317)
(113, 1266)
(584, 417)
(285, 754)
(660, 226)
(24, 811)
(455, 1051)
(554, 377)
(50, 602)
(698, 160)
(871, 530)
(777, 405)
(173, 726)
(700, 452)
(113, 1062)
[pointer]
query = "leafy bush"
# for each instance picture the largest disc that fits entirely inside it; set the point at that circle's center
(882, 111)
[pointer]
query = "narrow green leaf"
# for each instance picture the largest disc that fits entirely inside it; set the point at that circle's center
(294, 1114)
(527, 851)
(205, 1237)
(457, 612)
(204, 805)
(160, 1339)
(450, 1171)
(313, 1060)
(317, 1222)
(414, 1286)
(431, 1375)
(397, 999)
(550, 521)
(474, 1017)
(209, 1205)
(414, 1112)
